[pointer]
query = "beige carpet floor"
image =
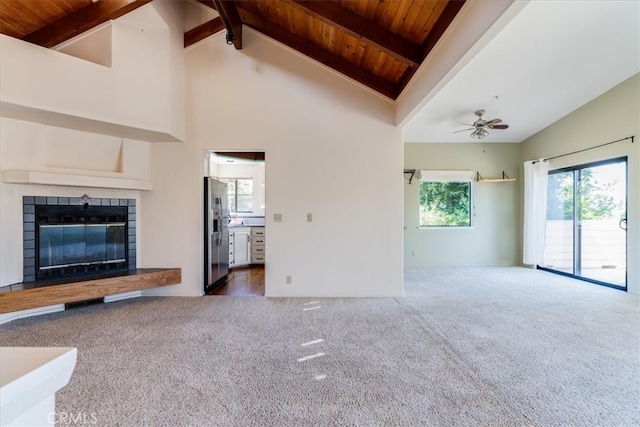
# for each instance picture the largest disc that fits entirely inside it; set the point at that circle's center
(472, 346)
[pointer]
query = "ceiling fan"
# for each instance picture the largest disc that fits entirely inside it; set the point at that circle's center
(480, 126)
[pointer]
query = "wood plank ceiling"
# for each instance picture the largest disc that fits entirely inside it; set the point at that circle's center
(379, 43)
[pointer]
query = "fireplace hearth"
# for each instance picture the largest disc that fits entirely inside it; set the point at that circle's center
(67, 237)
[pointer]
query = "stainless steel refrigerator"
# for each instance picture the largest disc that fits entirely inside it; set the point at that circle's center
(216, 233)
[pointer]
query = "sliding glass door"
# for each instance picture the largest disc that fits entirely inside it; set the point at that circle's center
(586, 222)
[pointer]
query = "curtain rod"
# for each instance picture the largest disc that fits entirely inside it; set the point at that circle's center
(587, 149)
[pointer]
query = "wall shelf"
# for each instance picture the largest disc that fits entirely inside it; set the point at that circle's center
(412, 172)
(505, 178)
(73, 180)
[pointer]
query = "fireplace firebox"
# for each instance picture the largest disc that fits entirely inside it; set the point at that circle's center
(67, 237)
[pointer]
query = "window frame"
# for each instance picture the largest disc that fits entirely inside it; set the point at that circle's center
(449, 176)
(233, 202)
(577, 251)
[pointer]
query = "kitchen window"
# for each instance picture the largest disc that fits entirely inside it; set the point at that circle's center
(240, 194)
(446, 198)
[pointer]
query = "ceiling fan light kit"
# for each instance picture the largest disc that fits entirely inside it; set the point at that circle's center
(479, 133)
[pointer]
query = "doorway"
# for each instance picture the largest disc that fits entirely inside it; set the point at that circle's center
(586, 235)
(243, 174)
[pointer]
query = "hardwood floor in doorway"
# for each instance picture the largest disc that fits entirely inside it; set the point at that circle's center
(243, 281)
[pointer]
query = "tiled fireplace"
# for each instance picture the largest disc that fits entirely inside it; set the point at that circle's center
(77, 236)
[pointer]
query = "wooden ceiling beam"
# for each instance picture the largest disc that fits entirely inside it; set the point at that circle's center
(444, 21)
(229, 13)
(246, 155)
(361, 28)
(203, 31)
(82, 20)
(315, 52)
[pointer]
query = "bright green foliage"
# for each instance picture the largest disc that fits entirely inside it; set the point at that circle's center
(596, 198)
(445, 204)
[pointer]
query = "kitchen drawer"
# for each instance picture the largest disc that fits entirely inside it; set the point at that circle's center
(257, 259)
(255, 249)
(257, 240)
(257, 231)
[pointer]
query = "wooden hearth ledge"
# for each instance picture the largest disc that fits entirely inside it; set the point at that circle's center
(24, 296)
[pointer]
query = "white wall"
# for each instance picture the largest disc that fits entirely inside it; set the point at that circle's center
(82, 155)
(140, 96)
(613, 115)
(494, 237)
(332, 151)
(78, 94)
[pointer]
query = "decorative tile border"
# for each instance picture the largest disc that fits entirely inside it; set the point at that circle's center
(29, 226)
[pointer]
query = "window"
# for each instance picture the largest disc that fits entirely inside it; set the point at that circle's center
(240, 194)
(586, 227)
(446, 198)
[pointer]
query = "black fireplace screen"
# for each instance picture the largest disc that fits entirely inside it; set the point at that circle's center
(69, 245)
(73, 240)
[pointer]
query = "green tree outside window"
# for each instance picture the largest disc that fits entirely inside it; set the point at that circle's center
(445, 204)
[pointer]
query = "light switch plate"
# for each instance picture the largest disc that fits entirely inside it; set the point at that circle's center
(309, 217)
(277, 217)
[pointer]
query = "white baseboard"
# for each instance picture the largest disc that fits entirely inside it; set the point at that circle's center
(126, 295)
(8, 317)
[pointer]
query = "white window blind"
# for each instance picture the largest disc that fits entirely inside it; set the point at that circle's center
(447, 176)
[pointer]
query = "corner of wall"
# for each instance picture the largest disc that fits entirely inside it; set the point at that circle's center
(140, 96)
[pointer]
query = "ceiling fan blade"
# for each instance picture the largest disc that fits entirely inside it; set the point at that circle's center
(499, 126)
(493, 122)
(463, 130)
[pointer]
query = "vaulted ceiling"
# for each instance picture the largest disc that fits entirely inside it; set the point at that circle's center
(379, 43)
(513, 70)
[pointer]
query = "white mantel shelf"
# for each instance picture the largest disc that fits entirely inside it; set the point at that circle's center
(29, 379)
(73, 180)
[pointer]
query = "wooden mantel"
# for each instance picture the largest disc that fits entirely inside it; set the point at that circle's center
(25, 296)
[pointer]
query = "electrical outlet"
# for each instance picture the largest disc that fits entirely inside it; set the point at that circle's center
(309, 217)
(287, 280)
(277, 217)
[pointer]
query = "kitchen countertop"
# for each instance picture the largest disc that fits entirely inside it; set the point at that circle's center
(247, 221)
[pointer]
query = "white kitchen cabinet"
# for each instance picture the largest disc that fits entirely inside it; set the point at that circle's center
(257, 245)
(241, 246)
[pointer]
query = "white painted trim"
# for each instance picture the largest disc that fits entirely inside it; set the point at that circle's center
(125, 295)
(8, 317)
(447, 175)
(74, 180)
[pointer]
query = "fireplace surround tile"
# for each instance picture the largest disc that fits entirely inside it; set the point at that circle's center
(29, 225)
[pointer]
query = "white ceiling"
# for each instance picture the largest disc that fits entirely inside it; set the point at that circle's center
(550, 59)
